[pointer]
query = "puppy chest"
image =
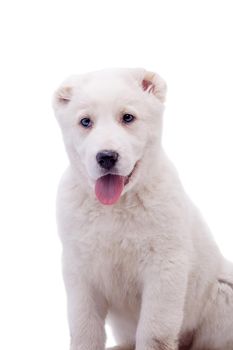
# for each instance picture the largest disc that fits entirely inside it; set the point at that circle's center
(115, 270)
(114, 251)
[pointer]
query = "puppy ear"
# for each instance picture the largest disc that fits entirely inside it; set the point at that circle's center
(62, 96)
(154, 84)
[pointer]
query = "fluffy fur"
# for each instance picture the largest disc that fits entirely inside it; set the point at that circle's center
(148, 263)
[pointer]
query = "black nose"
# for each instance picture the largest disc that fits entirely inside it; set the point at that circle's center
(107, 159)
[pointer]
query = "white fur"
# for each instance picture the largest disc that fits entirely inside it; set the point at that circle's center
(148, 262)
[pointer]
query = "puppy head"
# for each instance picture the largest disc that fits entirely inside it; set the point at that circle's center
(111, 122)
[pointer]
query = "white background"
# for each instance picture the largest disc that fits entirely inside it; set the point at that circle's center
(188, 42)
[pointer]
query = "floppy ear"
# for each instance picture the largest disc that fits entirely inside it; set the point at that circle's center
(154, 84)
(63, 96)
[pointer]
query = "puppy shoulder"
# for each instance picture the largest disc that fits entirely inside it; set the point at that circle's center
(70, 201)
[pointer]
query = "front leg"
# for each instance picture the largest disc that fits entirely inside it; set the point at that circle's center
(162, 306)
(87, 310)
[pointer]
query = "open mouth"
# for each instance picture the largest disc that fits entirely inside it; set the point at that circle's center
(108, 188)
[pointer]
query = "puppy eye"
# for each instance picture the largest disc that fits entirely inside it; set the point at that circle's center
(128, 118)
(86, 122)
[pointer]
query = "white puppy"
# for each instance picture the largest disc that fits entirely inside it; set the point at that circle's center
(135, 248)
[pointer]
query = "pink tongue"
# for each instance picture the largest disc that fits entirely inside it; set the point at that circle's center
(108, 188)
